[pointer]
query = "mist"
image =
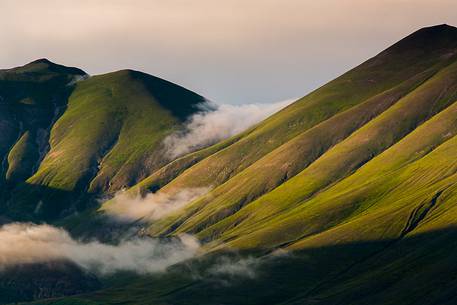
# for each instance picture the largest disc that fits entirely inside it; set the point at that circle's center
(235, 267)
(207, 128)
(26, 243)
(153, 206)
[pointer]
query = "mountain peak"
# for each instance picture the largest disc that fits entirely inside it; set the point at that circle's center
(45, 65)
(439, 27)
(442, 36)
(436, 32)
(42, 61)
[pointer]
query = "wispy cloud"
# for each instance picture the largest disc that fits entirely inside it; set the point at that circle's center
(234, 267)
(206, 128)
(227, 269)
(153, 206)
(25, 243)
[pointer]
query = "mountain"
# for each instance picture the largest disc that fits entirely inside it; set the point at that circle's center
(67, 135)
(346, 196)
(285, 179)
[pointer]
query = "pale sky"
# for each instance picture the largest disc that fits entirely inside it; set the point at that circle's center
(230, 51)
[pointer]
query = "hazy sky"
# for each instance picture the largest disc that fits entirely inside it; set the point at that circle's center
(231, 51)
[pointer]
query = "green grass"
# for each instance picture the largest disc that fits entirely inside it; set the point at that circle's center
(354, 137)
(22, 158)
(122, 128)
(108, 137)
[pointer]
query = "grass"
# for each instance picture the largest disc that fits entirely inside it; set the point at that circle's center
(354, 137)
(108, 137)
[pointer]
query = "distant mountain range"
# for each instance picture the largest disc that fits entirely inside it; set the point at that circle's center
(346, 196)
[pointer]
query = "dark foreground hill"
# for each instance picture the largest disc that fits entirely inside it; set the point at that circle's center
(347, 196)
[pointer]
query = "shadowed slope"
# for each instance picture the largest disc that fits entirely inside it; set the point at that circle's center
(32, 98)
(417, 269)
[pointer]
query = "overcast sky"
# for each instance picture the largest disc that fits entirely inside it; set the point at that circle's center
(231, 51)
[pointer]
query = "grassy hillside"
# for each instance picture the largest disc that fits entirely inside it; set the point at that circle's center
(102, 134)
(319, 152)
(398, 64)
(122, 127)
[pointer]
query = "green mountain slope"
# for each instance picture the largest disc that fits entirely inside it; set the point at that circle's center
(400, 63)
(325, 152)
(101, 134)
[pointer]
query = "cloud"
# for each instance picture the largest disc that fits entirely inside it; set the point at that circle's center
(153, 206)
(25, 243)
(235, 267)
(77, 78)
(228, 268)
(206, 128)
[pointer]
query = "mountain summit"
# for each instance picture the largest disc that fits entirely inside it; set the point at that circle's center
(429, 39)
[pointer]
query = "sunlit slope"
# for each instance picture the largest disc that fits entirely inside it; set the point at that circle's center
(305, 151)
(386, 198)
(400, 63)
(358, 148)
(109, 135)
(113, 122)
(323, 154)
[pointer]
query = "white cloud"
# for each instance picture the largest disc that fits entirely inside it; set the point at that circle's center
(206, 128)
(151, 207)
(231, 267)
(24, 243)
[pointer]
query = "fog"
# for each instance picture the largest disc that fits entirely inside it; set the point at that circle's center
(25, 243)
(206, 128)
(153, 206)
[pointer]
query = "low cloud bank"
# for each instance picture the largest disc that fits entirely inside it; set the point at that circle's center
(206, 128)
(153, 206)
(24, 243)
